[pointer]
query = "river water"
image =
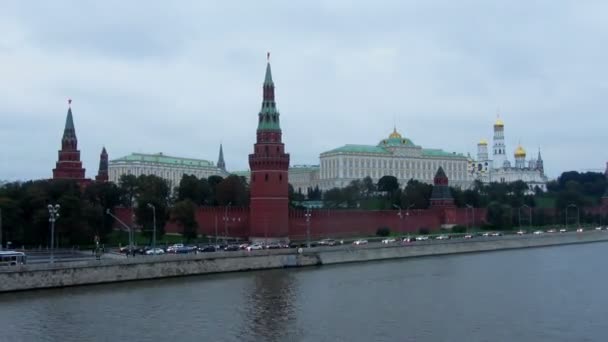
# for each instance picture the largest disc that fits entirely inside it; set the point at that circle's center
(542, 294)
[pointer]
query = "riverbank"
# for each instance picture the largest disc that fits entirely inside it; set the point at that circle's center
(28, 277)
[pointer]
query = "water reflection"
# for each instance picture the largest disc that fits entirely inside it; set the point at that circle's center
(270, 310)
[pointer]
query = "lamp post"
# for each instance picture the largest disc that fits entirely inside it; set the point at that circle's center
(307, 215)
(529, 214)
(150, 205)
(53, 216)
(129, 230)
(400, 214)
(473, 213)
(226, 222)
(578, 217)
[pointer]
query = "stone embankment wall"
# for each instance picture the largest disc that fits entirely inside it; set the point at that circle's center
(105, 271)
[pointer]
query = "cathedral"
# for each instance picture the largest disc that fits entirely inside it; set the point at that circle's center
(499, 168)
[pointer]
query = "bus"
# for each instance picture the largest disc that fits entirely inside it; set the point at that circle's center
(12, 258)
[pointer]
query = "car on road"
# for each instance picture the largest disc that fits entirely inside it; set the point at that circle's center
(551, 231)
(442, 237)
(409, 239)
(520, 232)
(486, 234)
(538, 232)
(327, 242)
(389, 240)
(207, 249)
(255, 247)
(422, 238)
(360, 242)
(273, 245)
(598, 228)
(155, 251)
(468, 236)
(173, 248)
(563, 230)
(580, 230)
(232, 248)
(496, 234)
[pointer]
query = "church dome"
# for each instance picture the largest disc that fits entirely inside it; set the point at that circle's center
(395, 134)
(520, 152)
(499, 123)
(482, 142)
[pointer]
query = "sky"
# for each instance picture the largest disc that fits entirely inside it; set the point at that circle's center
(182, 77)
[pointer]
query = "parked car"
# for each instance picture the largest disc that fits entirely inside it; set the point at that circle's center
(551, 231)
(520, 232)
(598, 228)
(409, 239)
(273, 245)
(468, 236)
(255, 247)
(327, 242)
(538, 232)
(563, 230)
(389, 240)
(580, 230)
(422, 238)
(485, 234)
(442, 237)
(496, 234)
(155, 251)
(173, 248)
(360, 242)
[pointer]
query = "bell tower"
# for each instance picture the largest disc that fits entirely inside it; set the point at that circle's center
(268, 220)
(68, 164)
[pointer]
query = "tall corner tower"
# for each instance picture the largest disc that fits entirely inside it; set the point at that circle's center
(500, 153)
(68, 164)
(441, 195)
(102, 173)
(269, 205)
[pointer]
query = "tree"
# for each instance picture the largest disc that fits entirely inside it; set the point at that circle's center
(388, 184)
(333, 198)
(368, 186)
(152, 190)
(233, 189)
(183, 213)
(499, 215)
(417, 193)
(190, 188)
(128, 188)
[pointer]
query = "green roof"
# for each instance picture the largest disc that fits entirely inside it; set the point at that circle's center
(396, 142)
(241, 173)
(160, 158)
(359, 149)
(432, 152)
(304, 168)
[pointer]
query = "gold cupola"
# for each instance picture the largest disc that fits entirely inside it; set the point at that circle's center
(395, 134)
(520, 152)
(482, 142)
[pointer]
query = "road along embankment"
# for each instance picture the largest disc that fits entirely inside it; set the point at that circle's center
(28, 277)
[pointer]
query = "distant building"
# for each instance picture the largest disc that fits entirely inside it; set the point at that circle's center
(394, 156)
(167, 167)
(303, 177)
(499, 169)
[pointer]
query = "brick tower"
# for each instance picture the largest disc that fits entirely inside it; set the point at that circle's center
(69, 165)
(268, 220)
(102, 174)
(441, 195)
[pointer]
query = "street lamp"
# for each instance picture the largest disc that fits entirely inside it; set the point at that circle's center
(129, 230)
(529, 214)
(473, 212)
(226, 222)
(578, 217)
(150, 205)
(53, 216)
(400, 217)
(308, 214)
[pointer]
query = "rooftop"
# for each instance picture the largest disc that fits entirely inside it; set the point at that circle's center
(160, 158)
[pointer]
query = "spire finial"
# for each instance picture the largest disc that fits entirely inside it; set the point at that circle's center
(69, 102)
(268, 56)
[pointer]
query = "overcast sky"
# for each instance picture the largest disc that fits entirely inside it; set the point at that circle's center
(180, 77)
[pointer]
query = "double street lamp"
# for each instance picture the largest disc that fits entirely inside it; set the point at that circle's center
(578, 217)
(129, 230)
(53, 216)
(151, 206)
(400, 214)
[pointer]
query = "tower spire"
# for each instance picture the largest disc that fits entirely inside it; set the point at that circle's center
(68, 164)
(102, 173)
(269, 115)
(220, 161)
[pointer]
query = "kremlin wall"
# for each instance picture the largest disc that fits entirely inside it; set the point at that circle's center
(269, 217)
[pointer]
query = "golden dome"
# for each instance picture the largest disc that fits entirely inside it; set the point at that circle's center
(482, 142)
(520, 152)
(499, 123)
(395, 134)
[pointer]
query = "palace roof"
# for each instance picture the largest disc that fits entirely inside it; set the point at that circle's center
(160, 158)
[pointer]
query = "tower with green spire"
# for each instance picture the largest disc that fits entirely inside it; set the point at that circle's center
(102, 173)
(269, 165)
(68, 164)
(220, 160)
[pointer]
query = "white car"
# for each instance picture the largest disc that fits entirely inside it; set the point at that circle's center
(551, 231)
(468, 236)
(521, 232)
(255, 247)
(538, 232)
(422, 238)
(442, 237)
(598, 228)
(360, 242)
(563, 230)
(155, 251)
(497, 234)
(580, 230)
(485, 234)
(389, 240)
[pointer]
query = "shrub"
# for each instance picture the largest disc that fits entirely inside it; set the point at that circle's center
(383, 231)
(424, 231)
(459, 229)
